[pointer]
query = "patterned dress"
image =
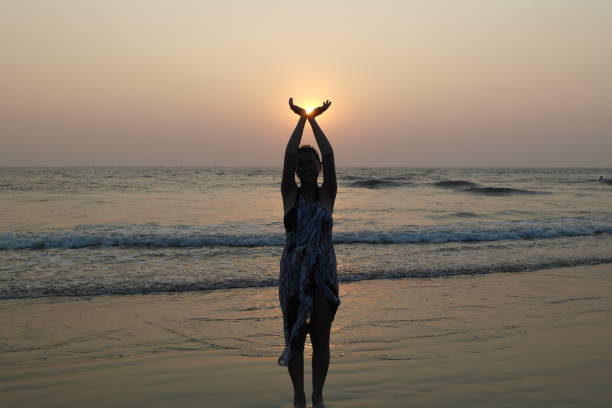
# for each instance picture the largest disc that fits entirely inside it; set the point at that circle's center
(308, 261)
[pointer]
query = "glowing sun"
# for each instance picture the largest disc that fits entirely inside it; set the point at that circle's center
(308, 110)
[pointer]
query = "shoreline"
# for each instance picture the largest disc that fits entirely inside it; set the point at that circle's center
(541, 338)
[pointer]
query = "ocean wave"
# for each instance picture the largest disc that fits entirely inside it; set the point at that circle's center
(465, 214)
(176, 239)
(471, 187)
(182, 237)
(81, 288)
(375, 183)
(455, 183)
(500, 190)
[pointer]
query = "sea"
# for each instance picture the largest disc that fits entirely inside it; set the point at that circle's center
(93, 231)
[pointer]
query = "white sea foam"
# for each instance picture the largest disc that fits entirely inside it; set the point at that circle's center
(146, 236)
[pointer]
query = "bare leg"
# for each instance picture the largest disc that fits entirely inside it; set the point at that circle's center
(296, 371)
(320, 327)
(296, 367)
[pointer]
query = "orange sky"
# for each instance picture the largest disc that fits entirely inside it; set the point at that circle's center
(413, 83)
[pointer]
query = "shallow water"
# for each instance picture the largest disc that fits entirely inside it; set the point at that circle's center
(410, 319)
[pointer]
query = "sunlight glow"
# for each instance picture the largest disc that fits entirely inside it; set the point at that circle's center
(308, 110)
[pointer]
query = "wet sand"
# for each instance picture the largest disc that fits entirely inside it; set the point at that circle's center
(534, 339)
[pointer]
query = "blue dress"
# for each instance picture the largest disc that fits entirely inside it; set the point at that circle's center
(308, 261)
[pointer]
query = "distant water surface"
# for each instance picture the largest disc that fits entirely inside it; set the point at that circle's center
(93, 231)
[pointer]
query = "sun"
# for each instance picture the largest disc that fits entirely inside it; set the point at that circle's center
(308, 110)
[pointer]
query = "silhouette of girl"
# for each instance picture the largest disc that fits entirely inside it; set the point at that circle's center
(308, 285)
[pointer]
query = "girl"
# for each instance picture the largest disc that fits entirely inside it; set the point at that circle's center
(308, 285)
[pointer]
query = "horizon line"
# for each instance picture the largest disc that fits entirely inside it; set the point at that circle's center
(280, 166)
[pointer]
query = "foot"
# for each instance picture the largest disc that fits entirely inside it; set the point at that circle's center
(317, 402)
(299, 401)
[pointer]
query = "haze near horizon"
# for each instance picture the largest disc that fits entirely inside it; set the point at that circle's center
(414, 83)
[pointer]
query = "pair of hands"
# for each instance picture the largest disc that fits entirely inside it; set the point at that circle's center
(315, 112)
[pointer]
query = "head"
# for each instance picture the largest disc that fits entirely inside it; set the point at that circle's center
(308, 164)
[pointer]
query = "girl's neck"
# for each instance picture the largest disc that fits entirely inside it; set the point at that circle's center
(309, 190)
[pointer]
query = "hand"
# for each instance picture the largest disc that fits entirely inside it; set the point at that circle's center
(319, 110)
(297, 109)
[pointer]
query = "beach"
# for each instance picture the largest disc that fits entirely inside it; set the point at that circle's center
(531, 339)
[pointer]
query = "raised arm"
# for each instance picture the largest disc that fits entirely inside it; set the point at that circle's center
(288, 183)
(329, 186)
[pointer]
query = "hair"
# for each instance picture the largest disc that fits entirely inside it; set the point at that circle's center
(309, 148)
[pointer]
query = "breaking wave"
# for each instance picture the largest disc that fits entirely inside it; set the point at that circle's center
(181, 237)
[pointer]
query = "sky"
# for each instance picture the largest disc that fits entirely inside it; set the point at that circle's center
(206, 83)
